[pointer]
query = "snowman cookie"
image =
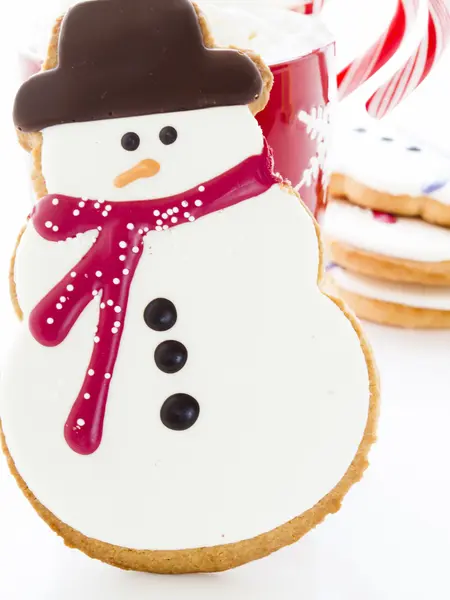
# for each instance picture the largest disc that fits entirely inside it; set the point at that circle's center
(379, 168)
(407, 305)
(182, 396)
(385, 246)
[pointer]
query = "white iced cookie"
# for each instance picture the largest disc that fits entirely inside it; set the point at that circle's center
(391, 303)
(380, 168)
(415, 296)
(386, 246)
(173, 402)
(386, 234)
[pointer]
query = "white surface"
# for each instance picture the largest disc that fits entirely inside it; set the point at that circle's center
(406, 294)
(391, 541)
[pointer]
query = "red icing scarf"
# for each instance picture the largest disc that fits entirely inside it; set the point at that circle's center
(108, 268)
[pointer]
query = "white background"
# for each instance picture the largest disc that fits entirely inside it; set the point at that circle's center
(391, 540)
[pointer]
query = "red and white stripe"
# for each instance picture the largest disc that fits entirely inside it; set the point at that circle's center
(362, 69)
(419, 66)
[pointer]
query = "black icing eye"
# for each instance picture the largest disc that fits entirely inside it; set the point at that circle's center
(131, 141)
(168, 135)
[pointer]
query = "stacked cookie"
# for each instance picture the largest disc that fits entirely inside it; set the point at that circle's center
(388, 228)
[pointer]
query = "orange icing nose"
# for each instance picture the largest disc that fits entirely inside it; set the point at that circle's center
(146, 168)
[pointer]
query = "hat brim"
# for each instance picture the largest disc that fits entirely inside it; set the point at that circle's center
(125, 58)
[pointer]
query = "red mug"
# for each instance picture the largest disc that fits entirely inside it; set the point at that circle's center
(296, 122)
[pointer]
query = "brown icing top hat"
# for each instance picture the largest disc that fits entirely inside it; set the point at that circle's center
(121, 58)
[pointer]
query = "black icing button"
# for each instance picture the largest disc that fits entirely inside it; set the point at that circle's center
(180, 412)
(171, 356)
(160, 314)
(387, 139)
(360, 130)
(414, 149)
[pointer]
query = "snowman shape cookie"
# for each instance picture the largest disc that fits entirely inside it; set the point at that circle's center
(181, 397)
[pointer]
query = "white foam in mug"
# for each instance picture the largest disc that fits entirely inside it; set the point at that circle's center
(264, 26)
(277, 34)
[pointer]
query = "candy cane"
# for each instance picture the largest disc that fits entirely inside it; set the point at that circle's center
(418, 67)
(362, 69)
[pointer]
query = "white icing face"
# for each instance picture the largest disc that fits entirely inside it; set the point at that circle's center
(406, 238)
(85, 159)
(405, 294)
(389, 161)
